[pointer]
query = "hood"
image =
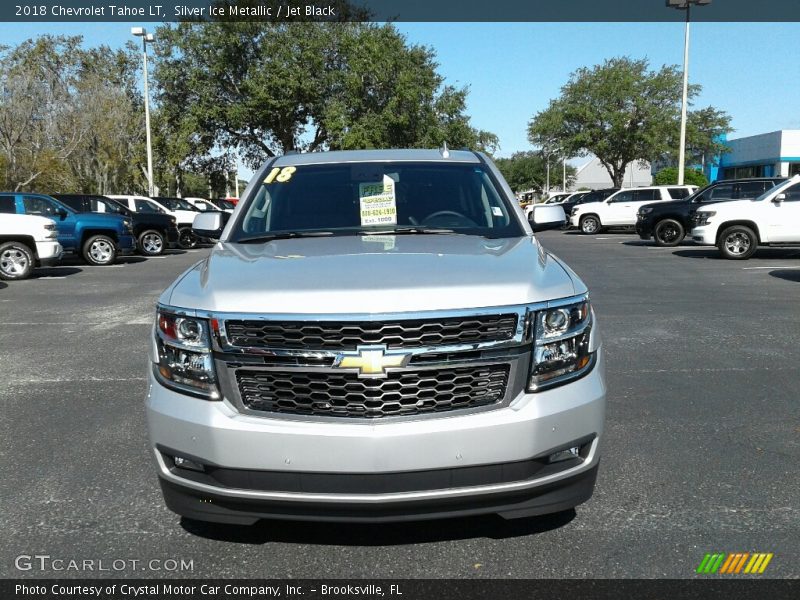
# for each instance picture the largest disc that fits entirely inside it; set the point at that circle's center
(736, 206)
(589, 205)
(105, 219)
(372, 274)
(184, 216)
(14, 223)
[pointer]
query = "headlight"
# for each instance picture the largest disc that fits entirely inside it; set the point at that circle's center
(645, 210)
(185, 362)
(52, 233)
(703, 217)
(127, 226)
(561, 346)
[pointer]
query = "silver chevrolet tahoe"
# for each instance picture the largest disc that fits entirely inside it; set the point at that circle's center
(376, 336)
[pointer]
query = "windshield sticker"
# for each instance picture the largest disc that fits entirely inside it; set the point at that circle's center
(388, 241)
(378, 202)
(497, 211)
(280, 175)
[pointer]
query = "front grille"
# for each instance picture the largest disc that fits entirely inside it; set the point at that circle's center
(347, 335)
(347, 395)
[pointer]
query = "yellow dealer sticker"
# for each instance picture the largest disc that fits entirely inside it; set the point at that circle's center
(378, 203)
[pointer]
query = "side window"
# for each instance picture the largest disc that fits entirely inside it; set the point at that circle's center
(752, 189)
(8, 205)
(34, 205)
(647, 195)
(677, 193)
(721, 192)
(793, 193)
(622, 197)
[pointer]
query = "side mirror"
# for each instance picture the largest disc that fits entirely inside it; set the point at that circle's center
(62, 214)
(544, 217)
(779, 198)
(210, 224)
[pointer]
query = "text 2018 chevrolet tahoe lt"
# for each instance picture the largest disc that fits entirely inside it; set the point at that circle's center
(376, 336)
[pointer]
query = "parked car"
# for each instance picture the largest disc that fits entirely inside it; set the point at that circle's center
(98, 238)
(183, 218)
(738, 227)
(620, 208)
(585, 197)
(223, 204)
(154, 232)
(668, 222)
(420, 355)
(202, 204)
(26, 242)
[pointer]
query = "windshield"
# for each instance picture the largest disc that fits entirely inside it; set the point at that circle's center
(353, 198)
(176, 204)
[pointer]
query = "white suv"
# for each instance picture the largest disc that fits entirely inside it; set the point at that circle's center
(620, 208)
(737, 228)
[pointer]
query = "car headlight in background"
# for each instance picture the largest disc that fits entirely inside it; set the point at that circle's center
(561, 346)
(52, 232)
(127, 226)
(185, 362)
(703, 217)
(645, 210)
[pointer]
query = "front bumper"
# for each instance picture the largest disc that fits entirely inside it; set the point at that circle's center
(126, 244)
(574, 220)
(340, 469)
(48, 253)
(644, 229)
(172, 237)
(705, 235)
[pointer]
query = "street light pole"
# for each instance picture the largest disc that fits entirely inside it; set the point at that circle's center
(146, 37)
(684, 5)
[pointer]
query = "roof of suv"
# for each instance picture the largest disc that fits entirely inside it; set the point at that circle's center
(345, 156)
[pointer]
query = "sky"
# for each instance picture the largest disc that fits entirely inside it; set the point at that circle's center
(749, 70)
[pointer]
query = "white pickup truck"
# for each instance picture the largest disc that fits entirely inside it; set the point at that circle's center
(26, 242)
(737, 228)
(620, 208)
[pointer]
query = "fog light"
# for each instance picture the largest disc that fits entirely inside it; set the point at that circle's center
(561, 455)
(185, 463)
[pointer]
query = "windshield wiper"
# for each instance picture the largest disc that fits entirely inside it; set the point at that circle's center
(284, 235)
(409, 231)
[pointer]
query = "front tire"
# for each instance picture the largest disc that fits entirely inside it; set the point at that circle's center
(151, 242)
(16, 261)
(737, 242)
(590, 224)
(668, 233)
(100, 250)
(186, 238)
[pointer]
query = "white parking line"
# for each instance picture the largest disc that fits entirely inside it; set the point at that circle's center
(52, 277)
(775, 267)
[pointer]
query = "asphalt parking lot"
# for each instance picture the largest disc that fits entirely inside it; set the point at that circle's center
(702, 446)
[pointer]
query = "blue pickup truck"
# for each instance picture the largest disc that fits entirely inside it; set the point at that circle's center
(97, 237)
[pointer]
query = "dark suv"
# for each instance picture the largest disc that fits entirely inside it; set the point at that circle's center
(153, 232)
(584, 197)
(668, 222)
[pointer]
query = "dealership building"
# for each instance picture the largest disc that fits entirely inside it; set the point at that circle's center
(775, 154)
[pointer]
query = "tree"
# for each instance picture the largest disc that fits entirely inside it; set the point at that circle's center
(528, 170)
(669, 176)
(40, 119)
(110, 154)
(622, 111)
(264, 89)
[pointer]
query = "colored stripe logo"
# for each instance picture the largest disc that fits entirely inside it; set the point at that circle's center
(734, 563)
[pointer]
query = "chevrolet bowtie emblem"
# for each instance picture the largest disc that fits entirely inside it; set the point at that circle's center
(371, 361)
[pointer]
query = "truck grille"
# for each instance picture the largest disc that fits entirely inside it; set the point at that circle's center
(347, 335)
(347, 395)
